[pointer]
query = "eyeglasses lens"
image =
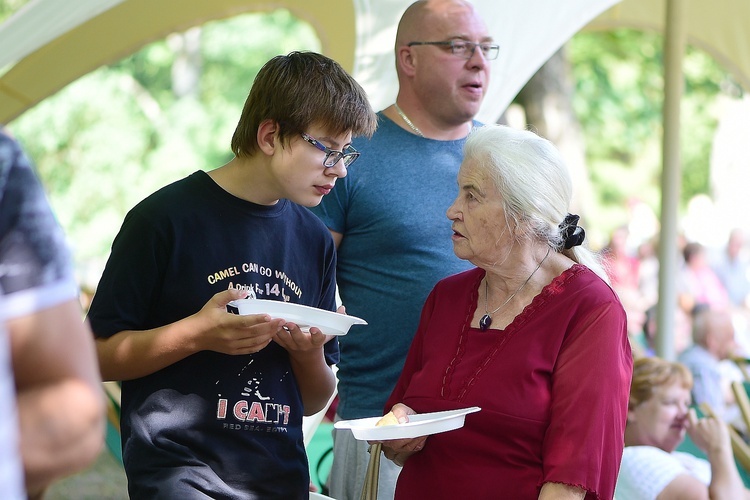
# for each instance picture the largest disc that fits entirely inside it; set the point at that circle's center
(332, 158)
(466, 49)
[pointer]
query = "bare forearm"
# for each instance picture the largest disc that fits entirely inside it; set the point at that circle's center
(133, 354)
(62, 430)
(59, 398)
(725, 479)
(558, 491)
(315, 379)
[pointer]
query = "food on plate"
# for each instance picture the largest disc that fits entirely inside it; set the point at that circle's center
(388, 419)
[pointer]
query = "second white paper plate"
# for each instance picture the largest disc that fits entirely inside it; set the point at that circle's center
(421, 424)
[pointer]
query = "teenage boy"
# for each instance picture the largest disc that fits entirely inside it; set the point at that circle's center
(212, 403)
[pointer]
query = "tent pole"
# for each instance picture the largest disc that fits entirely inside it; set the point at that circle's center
(674, 49)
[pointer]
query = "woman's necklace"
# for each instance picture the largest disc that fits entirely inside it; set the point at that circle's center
(408, 121)
(486, 320)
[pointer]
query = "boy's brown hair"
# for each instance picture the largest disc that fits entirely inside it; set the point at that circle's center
(298, 90)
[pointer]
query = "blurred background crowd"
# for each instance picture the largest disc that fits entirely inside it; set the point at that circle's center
(709, 277)
(711, 332)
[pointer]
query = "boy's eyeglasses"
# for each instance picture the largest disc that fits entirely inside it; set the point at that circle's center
(464, 49)
(349, 154)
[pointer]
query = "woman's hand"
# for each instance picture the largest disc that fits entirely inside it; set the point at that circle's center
(399, 450)
(710, 434)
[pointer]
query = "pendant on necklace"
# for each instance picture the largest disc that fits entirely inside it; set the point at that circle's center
(485, 322)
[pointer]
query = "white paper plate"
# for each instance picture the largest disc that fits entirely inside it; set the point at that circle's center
(330, 323)
(319, 496)
(421, 424)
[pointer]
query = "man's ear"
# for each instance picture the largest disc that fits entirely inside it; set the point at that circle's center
(268, 136)
(406, 60)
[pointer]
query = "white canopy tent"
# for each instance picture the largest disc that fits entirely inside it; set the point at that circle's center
(50, 43)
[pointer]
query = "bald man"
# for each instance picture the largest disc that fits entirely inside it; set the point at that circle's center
(713, 342)
(387, 216)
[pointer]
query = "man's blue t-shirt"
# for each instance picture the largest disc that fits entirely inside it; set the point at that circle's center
(397, 244)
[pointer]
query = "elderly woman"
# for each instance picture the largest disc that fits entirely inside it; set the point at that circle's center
(658, 418)
(533, 335)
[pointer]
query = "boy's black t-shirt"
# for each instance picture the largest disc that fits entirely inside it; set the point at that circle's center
(226, 426)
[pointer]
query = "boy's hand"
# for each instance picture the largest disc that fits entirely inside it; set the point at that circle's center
(294, 340)
(231, 333)
(291, 338)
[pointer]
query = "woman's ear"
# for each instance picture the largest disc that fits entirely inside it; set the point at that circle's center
(631, 416)
(268, 136)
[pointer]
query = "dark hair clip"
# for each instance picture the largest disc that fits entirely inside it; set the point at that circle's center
(571, 234)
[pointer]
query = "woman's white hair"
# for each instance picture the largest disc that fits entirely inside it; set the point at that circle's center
(534, 183)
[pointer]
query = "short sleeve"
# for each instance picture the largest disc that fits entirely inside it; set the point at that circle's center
(647, 470)
(590, 387)
(130, 283)
(36, 269)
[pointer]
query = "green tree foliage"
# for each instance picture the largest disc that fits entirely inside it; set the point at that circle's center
(8, 7)
(111, 138)
(106, 141)
(619, 99)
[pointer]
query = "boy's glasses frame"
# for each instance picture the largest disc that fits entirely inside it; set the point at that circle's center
(349, 154)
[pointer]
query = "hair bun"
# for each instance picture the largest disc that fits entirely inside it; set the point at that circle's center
(571, 234)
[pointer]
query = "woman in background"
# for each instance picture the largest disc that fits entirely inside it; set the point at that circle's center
(659, 416)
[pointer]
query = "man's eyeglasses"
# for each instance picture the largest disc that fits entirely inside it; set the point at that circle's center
(464, 49)
(349, 154)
